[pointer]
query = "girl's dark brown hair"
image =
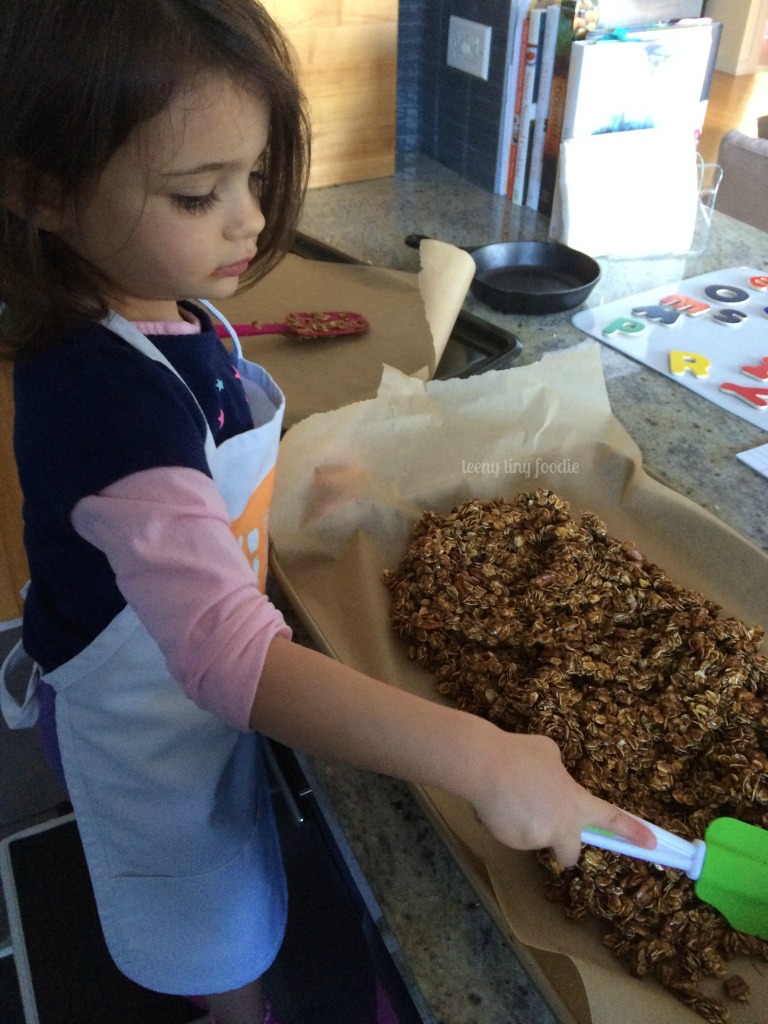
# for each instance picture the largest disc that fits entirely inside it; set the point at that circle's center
(76, 78)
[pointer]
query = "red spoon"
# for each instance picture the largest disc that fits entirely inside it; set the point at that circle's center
(304, 325)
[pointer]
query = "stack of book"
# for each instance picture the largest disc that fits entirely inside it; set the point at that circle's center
(577, 68)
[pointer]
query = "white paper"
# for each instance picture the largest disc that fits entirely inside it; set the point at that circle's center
(756, 458)
(627, 194)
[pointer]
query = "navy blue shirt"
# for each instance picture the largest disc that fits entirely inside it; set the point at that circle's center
(88, 413)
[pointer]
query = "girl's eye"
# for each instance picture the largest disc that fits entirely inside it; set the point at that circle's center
(256, 181)
(195, 204)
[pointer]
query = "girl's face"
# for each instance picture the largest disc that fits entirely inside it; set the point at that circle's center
(176, 212)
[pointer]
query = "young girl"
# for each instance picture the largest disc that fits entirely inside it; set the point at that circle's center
(154, 153)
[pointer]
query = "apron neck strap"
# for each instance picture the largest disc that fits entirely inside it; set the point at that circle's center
(238, 348)
(128, 332)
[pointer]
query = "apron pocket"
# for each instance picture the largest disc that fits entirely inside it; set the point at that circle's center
(199, 933)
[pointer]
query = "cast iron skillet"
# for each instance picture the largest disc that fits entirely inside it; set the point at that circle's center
(529, 277)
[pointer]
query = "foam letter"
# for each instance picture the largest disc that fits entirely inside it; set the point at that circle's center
(759, 372)
(690, 306)
(752, 396)
(625, 326)
(664, 314)
(679, 362)
(725, 293)
(730, 317)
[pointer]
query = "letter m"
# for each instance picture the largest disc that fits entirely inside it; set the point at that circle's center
(685, 304)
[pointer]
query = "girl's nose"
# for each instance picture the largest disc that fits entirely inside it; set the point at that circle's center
(246, 220)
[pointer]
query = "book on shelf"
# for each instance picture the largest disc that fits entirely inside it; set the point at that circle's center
(510, 116)
(546, 59)
(567, 28)
(517, 185)
(578, 20)
(648, 78)
(635, 104)
(512, 96)
(534, 95)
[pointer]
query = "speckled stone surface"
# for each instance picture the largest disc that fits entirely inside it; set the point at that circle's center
(464, 971)
(687, 442)
(453, 952)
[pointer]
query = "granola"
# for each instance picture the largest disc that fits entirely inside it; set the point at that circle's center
(543, 622)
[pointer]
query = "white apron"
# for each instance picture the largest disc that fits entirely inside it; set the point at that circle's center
(173, 806)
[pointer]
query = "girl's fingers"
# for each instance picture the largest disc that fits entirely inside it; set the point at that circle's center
(625, 825)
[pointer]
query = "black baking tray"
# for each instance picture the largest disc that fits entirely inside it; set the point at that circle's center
(475, 345)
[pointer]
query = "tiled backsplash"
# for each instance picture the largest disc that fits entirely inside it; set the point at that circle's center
(444, 113)
(454, 117)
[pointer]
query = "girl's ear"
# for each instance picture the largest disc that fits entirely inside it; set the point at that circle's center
(37, 198)
(51, 216)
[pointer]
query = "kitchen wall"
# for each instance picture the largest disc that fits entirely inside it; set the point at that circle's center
(445, 113)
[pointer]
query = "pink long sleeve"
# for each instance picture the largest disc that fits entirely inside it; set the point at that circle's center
(166, 535)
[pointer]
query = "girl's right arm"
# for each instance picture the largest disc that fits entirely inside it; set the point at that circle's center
(166, 535)
(517, 784)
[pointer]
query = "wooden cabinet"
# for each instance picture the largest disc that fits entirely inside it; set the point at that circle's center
(347, 53)
(13, 561)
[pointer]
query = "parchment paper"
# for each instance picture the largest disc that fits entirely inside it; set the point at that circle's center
(351, 483)
(411, 318)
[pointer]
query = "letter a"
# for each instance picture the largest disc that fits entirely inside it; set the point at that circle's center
(752, 396)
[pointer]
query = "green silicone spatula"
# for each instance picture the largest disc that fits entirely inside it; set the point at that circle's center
(729, 867)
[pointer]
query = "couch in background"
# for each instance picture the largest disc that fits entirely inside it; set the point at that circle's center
(743, 191)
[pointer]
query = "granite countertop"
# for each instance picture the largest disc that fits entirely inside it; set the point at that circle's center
(462, 968)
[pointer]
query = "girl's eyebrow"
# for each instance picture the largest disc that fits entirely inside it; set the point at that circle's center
(200, 169)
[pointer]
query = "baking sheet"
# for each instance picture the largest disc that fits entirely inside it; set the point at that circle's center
(475, 344)
(411, 317)
(705, 348)
(351, 483)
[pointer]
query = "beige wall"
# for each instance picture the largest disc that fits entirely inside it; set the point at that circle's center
(347, 51)
(743, 27)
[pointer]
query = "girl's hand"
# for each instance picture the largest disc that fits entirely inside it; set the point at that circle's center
(517, 784)
(529, 801)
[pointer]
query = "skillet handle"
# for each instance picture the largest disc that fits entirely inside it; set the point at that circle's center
(414, 241)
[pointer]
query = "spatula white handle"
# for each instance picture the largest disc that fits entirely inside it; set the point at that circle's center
(670, 851)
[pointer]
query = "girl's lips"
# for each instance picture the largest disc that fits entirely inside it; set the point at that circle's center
(233, 269)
